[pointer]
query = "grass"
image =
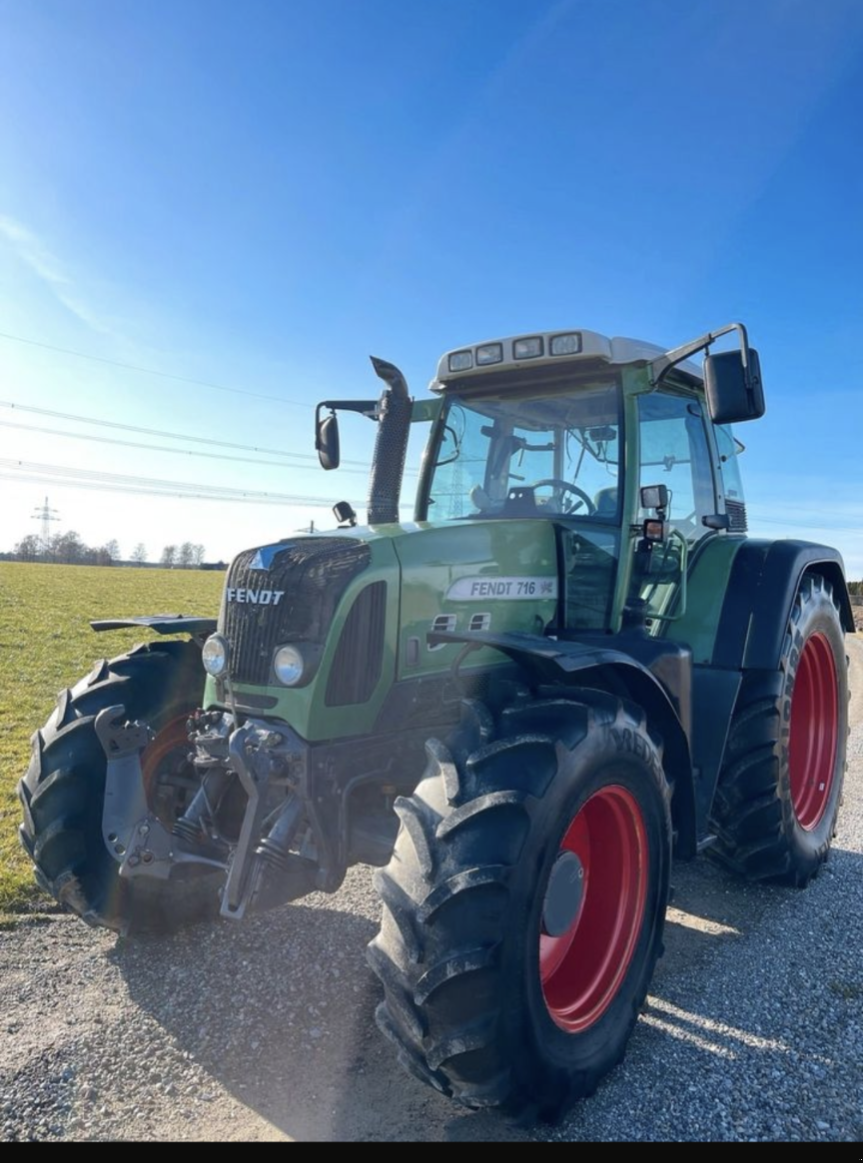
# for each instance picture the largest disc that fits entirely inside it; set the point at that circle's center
(46, 644)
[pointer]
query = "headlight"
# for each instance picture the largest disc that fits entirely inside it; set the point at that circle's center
(288, 665)
(461, 361)
(215, 655)
(566, 344)
(489, 353)
(527, 348)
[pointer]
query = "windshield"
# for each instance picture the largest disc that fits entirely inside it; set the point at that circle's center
(537, 454)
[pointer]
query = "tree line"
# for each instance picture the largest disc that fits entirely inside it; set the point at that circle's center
(69, 549)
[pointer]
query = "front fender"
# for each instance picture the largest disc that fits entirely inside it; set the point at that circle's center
(197, 628)
(661, 685)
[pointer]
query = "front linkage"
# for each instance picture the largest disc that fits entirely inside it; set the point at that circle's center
(279, 818)
(253, 847)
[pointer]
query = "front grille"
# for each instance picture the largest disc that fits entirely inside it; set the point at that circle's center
(312, 573)
(736, 511)
(359, 657)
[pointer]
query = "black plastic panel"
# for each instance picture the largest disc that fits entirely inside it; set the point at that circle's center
(761, 589)
(356, 667)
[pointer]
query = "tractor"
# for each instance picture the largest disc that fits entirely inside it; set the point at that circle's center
(571, 667)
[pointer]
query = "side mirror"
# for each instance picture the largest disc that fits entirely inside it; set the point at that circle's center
(734, 389)
(327, 441)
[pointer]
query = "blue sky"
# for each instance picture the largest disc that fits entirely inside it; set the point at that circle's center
(259, 195)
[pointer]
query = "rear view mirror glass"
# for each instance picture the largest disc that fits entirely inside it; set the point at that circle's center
(734, 392)
(327, 441)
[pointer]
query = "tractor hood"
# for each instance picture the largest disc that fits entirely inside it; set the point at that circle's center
(360, 603)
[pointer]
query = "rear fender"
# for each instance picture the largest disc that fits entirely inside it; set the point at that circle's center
(762, 587)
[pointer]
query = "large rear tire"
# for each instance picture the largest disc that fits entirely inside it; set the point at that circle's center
(781, 785)
(63, 791)
(524, 904)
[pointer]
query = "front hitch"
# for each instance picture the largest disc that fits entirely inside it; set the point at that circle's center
(135, 837)
(263, 870)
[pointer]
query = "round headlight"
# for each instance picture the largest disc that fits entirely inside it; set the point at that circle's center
(288, 665)
(215, 655)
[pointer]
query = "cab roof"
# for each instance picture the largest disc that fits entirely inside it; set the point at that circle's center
(545, 348)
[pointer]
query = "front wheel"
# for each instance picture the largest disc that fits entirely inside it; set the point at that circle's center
(524, 904)
(63, 792)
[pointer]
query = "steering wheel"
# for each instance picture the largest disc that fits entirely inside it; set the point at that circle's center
(561, 486)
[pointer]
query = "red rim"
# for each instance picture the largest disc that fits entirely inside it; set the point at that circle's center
(812, 738)
(174, 737)
(581, 971)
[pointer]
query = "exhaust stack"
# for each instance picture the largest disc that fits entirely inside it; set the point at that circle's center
(391, 445)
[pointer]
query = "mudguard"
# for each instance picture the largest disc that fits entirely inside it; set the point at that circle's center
(661, 684)
(763, 584)
(161, 624)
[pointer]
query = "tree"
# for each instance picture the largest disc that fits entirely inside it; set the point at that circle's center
(169, 554)
(68, 548)
(185, 554)
(197, 555)
(28, 548)
(113, 551)
(139, 553)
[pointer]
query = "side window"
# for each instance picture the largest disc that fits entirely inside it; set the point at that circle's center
(729, 451)
(675, 453)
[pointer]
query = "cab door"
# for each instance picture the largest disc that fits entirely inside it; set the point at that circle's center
(673, 451)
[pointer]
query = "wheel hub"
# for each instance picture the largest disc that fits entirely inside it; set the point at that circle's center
(564, 895)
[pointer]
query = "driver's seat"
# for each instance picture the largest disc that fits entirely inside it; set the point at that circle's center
(521, 502)
(606, 502)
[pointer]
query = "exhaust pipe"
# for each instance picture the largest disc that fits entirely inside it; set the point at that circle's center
(391, 446)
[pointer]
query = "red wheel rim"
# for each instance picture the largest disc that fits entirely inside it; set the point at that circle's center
(582, 970)
(161, 798)
(172, 737)
(812, 737)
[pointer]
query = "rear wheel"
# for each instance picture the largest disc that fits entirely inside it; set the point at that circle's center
(524, 904)
(781, 784)
(63, 791)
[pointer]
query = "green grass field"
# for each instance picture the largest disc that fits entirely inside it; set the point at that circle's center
(46, 644)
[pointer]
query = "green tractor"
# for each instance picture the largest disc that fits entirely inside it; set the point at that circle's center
(570, 667)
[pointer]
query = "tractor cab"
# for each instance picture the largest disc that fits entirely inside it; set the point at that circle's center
(612, 440)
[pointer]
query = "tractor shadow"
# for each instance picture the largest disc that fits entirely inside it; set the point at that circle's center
(280, 1012)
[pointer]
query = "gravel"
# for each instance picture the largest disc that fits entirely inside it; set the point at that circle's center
(264, 1031)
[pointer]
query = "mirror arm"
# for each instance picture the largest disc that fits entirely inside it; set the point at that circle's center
(364, 407)
(660, 367)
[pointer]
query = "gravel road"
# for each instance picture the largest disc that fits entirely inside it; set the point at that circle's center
(264, 1031)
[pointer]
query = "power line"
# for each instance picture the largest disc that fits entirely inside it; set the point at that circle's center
(152, 371)
(188, 437)
(161, 447)
(124, 490)
(136, 490)
(175, 487)
(804, 522)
